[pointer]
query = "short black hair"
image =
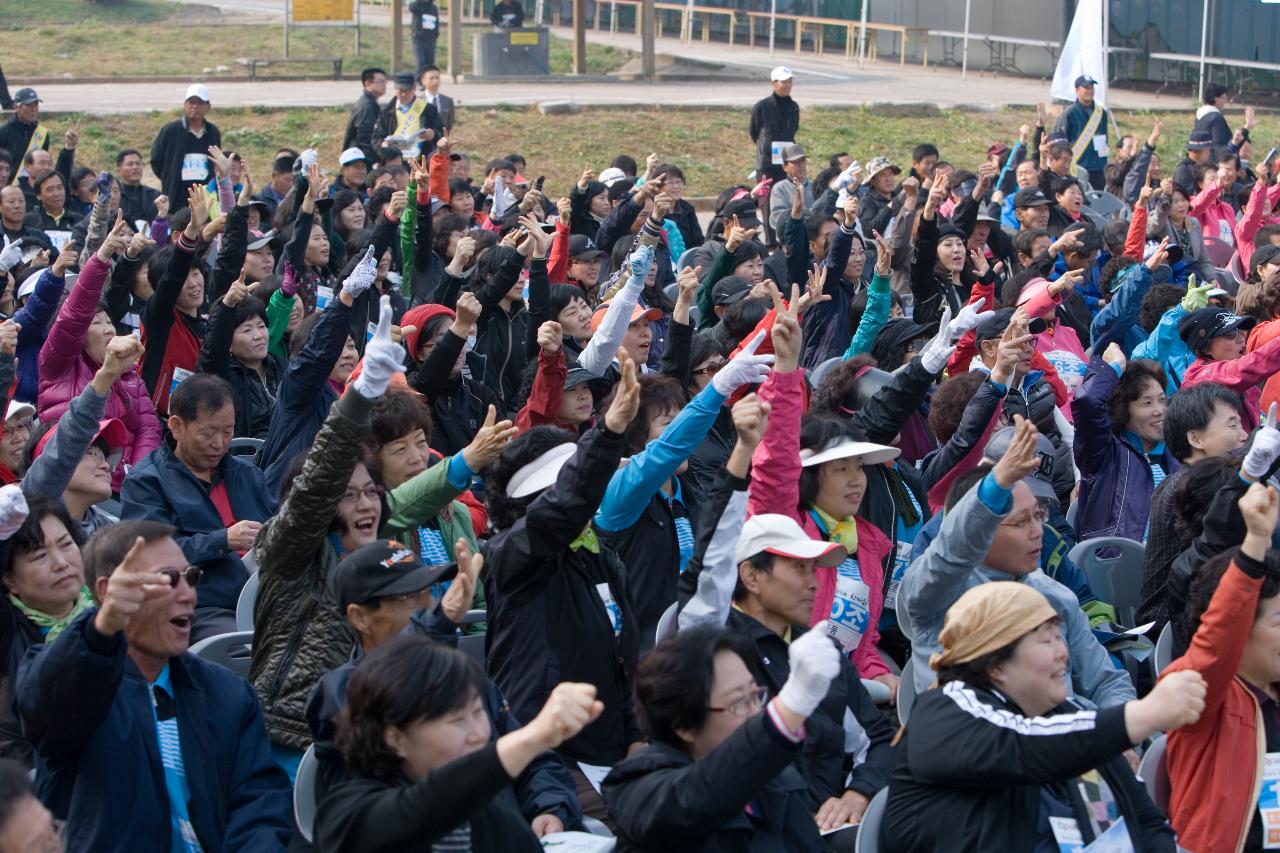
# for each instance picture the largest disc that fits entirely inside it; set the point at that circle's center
(741, 317)
(817, 432)
(1214, 91)
(1064, 183)
(410, 679)
(434, 68)
(673, 683)
(1155, 302)
(367, 75)
(248, 308)
(1131, 386)
(39, 182)
(658, 394)
(397, 414)
(626, 163)
(5, 156)
(761, 562)
(30, 536)
(923, 150)
(669, 169)
(1204, 583)
(1059, 149)
(200, 392)
(1025, 242)
(500, 163)
(108, 546)
(1191, 408)
(126, 153)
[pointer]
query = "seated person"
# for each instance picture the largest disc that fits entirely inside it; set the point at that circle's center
(217, 502)
(426, 772)
(717, 774)
(378, 607)
(25, 824)
(118, 698)
(1218, 339)
(989, 759)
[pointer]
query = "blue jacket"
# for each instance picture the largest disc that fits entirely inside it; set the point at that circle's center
(87, 711)
(1115, 492)
(163, 489)
(35, 317)
(1165, 347)
(305, 395)
(1072, 123)
(1117, 321)
(826, 324)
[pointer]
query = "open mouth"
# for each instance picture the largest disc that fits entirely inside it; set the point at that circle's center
(366, 526)
(182, 623)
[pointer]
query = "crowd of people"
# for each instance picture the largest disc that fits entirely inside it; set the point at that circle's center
(574, 504)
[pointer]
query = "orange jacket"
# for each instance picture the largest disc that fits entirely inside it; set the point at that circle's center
(1262, 333)
(1215, 784)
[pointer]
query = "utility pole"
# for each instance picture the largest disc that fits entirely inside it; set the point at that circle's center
(455, 39)
(397, 35)
(647, 27)
(579, 36)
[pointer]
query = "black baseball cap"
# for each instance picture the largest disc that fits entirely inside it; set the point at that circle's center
(1268, 253)
(26, 95)
(404, 81)
(383, 569)
(1040, 480)
(730, 290)
(1199, 140)
(1084, 80)
(991, 324)
(576, 376)
(583, 248)
(1030, 197)
(1203, 325)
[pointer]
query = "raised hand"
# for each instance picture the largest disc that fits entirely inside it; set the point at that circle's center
(564, 208)
(9, 330)
(398, 204)
(750, 418)
(626, 400)
(1014, 342)
(687, 284)
(468, 310)
(489, 440)
(815, 288)
(246, 185)
(588, 175)
(198, 201)
(815, 663)
(1259, 507)
(541, 239)
(66, 259)
(462, 591)
(1160, 255)
(1021, 459)
(638, 264)
(123, 352)
(745, 368)
(884, 255)
(569, 709)
(72, 137)
(979, 261)
(786, 335)
(1176, 700)
(116, 240)
(550, 337)
(1264, 450)
(1157, 127)
(362, 276)
(1197, 295)
(383, 357)
(130, 586)
(238, 291)
(221, 162)
(162, 206)
(663, 205)
(966, 321)
(11, 255)
(737, 234)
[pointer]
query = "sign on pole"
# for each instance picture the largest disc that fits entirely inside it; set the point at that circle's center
(307, 11)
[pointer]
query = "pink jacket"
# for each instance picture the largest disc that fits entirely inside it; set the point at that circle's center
(1217, 217)
(65, 370)
(1252, 220)
(1242, 375)
(775, 487)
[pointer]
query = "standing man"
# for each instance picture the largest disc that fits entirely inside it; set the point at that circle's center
(137, 201)
(426, 29)
(783, 194)
(774, 122)
(23, 132)
(430, 80)
(1084, 124)
(364, 115)
(180, 154)
(406, 115)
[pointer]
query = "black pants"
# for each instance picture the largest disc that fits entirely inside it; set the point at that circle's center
(424, 50)
(1097, 179)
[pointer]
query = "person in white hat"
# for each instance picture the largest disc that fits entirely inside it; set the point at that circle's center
(180, 152)
(774, 122)
(17, 429)
(354, 168)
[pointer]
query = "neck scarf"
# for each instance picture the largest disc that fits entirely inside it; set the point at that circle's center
(587, 540)
(844, 532)
(52, 626)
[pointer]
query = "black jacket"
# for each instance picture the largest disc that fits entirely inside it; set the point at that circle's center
(15, 136)
(172, 143)
(38, 217)
(138, 202)
(369, 816)
(500, 336)
(417, 9)
(686, 219)
(255, 398)
(17, 634)
(933, 292)
(547, 621)
(430, 118)
(772, 118)
(361, 125)
(971, 768)
(663, 800)
(459, 403)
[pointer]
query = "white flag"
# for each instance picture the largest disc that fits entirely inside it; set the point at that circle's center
(1083, 53)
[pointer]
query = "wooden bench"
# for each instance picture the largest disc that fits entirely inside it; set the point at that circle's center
(254, 63)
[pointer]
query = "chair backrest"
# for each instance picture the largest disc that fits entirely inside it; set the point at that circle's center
(672, 290)
(1163, 655)
(1238, 272)
(1155, 773)
(472, 645)
(245, 446)
(1226, 280)
(1098, 220)
(474, 616)
(906, 691)
(245, 604)
(820, 371)
(869, 830)
(304, 792)
(1113, 567)
(1104, 203)
(233, 650)
(1071, 513)
(667, 623)
(1218, 250)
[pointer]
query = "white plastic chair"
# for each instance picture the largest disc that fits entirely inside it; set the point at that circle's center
(1163, 655)
(304, 793)
(245, 446)
(869, 830)
(906, 691)
(245, 604)
(667, 623)
(1155, 774)
(233, 650)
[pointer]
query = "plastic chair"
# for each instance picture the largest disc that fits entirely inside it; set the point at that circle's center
(1105, 204)
(878, 692)
(1226, 280)
(672, 290)
(667, 623)
(474, 616)
(245, 604)
(1163, 655)
(1154, 773)
(1218, 250)
(1071, 513)
(233, 650)
(472, 645)
(304, 793)
(1117, 578)
(906, 691)
(869, 830)
(245, 446)
(1099, 221)
(1238, 272)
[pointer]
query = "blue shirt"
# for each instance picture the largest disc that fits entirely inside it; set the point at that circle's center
(164, 712)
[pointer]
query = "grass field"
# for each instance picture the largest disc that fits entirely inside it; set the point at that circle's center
(710, 145)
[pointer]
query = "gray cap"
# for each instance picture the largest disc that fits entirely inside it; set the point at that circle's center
(1040, 480)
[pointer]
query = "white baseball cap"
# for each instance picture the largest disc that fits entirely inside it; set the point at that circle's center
(868, 453)
(18, 409)
(351, 155)
(541, 472)
(780, 74)
(198, 90)
(611, 175)
(783, 537)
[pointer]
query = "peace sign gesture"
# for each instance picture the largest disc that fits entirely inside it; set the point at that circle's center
(116, 241)
(124, 594)
(786, 335)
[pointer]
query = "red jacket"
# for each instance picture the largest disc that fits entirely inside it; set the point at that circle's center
(1215, 765)
(1261, 334)
(1241, 375)
(543, 405)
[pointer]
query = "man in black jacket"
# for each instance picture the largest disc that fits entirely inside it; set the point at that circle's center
(180, 153)
(774, 119)
(137, 201)
(23, 130)
(683, 214)
(425, 29)
(365, 112)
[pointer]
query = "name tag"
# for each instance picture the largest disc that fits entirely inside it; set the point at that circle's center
(428, 22)
(195, 167)
(179, 374)
(611, 608)
(370, 329)
(324, 295)
(776, 151)
(1100, 145)
(1066, 832)
(900, 563)
(1269, 801)
(850, 608)
(1224, 231)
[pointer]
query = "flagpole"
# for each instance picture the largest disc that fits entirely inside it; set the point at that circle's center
(964, 60)
(1204, 43)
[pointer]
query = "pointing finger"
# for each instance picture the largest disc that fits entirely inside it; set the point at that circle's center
(384, 319)
(754, 344)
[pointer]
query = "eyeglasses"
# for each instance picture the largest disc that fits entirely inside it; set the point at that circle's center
(351, 496)
(96, 454)
(417, 595)
(1036, 518)
(709, 370)
(747, 705)
(191, 574)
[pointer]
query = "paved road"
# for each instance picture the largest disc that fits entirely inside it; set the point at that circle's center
(826, 81)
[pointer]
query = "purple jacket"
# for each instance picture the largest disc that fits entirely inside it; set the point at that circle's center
(65, 369)
(1115, 492)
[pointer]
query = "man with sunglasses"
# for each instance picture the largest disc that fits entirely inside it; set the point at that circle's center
(993, 530)
(118, 698)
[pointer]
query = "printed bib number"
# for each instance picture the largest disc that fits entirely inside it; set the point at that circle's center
(428, 22)
(1224, 232)
(850, 608)
(1269, 801)
(776, 151)
(900, 563)
(1100, 145)
(1066, 832)
(195, 167)
(59, 239)
(324, 295)
(179, 374)
(611, 608)
(370, 329)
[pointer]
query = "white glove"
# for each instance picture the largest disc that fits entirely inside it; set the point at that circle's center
(967, 320)
(638, 263)
(11, 256)
(936, 353)
(364, 274)
(849, 177)
(745, 368)
(383, 358)
(13, 510)
(815, 662)
(1265, 448)
(309, 158)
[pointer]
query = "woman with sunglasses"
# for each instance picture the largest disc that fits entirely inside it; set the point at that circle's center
(43, 577)
(717, 773)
